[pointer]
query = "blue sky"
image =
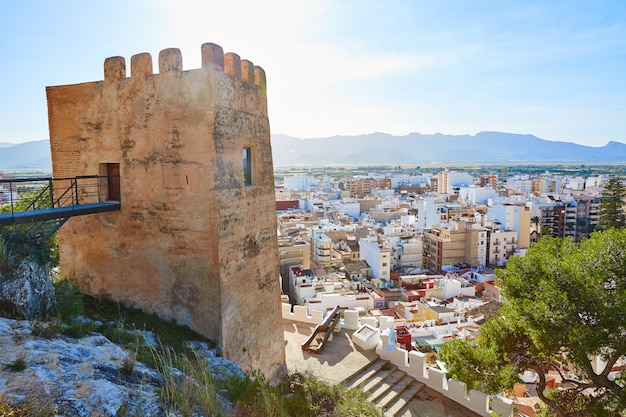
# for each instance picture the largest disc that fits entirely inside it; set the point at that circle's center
(554, 69)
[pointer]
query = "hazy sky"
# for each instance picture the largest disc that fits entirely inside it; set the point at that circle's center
(554, 69)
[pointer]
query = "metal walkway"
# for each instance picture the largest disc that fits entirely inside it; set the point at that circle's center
(53, 201)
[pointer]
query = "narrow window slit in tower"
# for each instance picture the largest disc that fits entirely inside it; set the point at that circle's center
(247, 166)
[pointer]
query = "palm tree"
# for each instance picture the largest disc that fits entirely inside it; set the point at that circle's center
(536, 220)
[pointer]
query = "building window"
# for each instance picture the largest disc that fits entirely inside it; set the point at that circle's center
(247, 166)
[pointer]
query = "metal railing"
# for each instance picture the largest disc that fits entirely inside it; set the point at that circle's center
(55, 192)
(56, 198)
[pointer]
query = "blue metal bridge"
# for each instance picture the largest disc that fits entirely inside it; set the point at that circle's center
(54, 200)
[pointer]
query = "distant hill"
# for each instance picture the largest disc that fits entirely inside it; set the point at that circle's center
(34, 154)
(382, 148)
(484, 147)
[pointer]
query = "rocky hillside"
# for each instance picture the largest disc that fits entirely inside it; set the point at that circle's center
(89, 376)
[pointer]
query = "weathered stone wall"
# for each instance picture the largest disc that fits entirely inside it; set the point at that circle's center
(192, 242)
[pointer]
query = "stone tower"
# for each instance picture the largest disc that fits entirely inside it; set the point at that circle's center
(195, 239)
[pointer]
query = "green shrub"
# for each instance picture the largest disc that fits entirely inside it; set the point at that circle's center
(24, 243)
(6, 257)
(117, 334)
(19, 364)
(129, 362)
(46, 329)
(188, 387)
(80, 329)
(297, 394)
(255, 396)
(169, 333)
(69, 300)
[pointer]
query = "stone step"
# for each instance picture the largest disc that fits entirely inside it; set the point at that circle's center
(397, 406)
(365, 373)
(378, 377)
(392, 395)
(385, 385)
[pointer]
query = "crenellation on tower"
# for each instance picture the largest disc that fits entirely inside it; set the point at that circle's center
(259, 78)
(141, 65)
(114, 68)
(247, 71)
(232, 65)
(170, 60)
(212, 56)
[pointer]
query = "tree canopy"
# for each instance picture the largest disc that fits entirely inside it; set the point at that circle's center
(566, 313)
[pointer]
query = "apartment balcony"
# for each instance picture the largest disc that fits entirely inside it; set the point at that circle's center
(291, 261)
(323, 259)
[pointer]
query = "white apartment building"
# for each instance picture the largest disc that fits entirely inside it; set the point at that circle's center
(408, 253)
(429, 212)
(408, 220)
(595, 182)
(477, 195)
(409, 180)
(502, 245)
(322, 247)
(448, 181)
(508, 215)
(520, 184)
(377, 256)
(588, 206)
(576, 184)
(350, 207)
(298, 182)
(454, 287)
(551, 184)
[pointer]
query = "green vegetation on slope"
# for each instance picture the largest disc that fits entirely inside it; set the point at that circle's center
(194, 391)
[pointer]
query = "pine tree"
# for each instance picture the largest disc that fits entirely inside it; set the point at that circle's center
(612, 200)
(566, 306)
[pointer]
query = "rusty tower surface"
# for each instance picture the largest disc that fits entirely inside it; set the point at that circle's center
(195, 239)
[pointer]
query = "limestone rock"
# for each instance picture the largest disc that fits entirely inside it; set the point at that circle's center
(27, 291)
(82, 377)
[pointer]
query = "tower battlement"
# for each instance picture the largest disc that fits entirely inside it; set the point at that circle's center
(195, 239)
(171, 59)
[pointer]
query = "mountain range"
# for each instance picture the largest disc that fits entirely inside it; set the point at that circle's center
(484, 147)
(28, 155)
(382, 148)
